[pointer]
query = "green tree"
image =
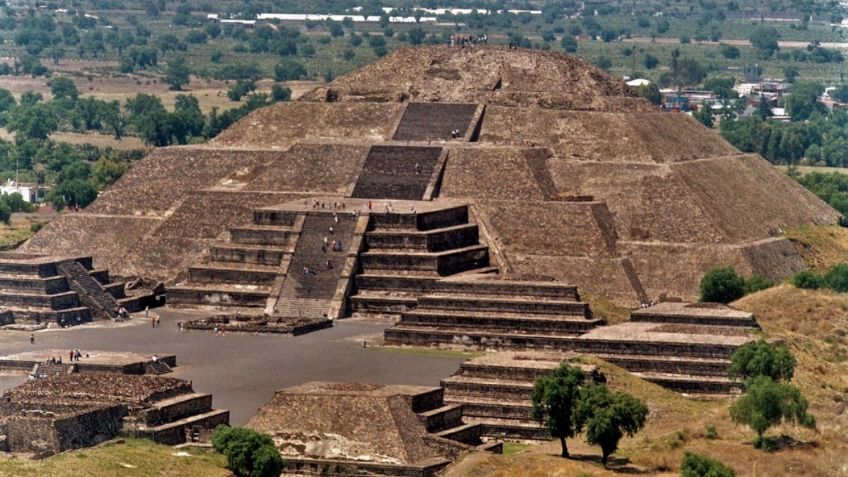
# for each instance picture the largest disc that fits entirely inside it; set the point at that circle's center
(607, 416)
(64, 88)
(651, 92)
(177, 74)
(704, 115)
(249, 453)
(760, 358)
(803, 100)
(106, 171)
(695, 465)
(111, 115)
(289, 69)
(241, 88)
(554, 399)
(722, 285)
(36, 121)
(187, 111)
(767, 403)
(280, 93)
(89, 112)
(764, 39)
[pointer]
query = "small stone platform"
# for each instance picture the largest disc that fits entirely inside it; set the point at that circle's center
(366, 429)
(253, 323)
(90, 362)
(70, 411)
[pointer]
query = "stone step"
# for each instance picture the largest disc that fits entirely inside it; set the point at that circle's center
(511, 429)
(115, 289)
(219, 295)
(694, 384)
(434, 219)
(68, 316)
(262, 235)
(440, 239)
(445, 263)
(158, 367)
(488, 388)
(56, 301)
(173, 433)
(396, 172)
(646, 316)
(248, 254)
(669, 364)
(506, 321)
(535, 305)
(444, 417)
(434, 121)
(489, 371)
(465, 433)
(32, 284)
(364, 303)
(222, 272)
(474, 338)
(278, 218)
(176, 408)
(478, 406)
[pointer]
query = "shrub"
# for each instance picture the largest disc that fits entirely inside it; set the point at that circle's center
(808, 279)
(837, 278)
(249, 453)
(757, 283)
(695, 465)
(767, 403)
(722, 285)
(711, 432)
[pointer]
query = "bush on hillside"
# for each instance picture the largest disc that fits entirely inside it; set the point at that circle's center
(808, 279)
(761, 358)
(696, 465)
(722, 285)
(837, 278)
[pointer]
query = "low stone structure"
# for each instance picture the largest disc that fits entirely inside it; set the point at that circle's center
(366, 429)
(41, 289)
(37, 363)
(495, 390)
(68, 411)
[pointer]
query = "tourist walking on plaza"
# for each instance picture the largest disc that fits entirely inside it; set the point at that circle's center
(32, 338)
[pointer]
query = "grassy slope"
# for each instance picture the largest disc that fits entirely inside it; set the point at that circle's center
(133, 458)
(820, 246)
(813, 324)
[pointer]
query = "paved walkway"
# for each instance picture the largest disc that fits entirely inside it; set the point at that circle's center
(242, 371)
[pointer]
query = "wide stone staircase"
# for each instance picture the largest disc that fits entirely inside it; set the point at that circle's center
(397, 172)
(435, 121)
(407, 254)
(315, 268)
(241, 271)
(68, 291)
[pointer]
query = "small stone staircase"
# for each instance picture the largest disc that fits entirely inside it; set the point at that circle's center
(43, 370)
(158, 368)
(446, 421)
(92, 294)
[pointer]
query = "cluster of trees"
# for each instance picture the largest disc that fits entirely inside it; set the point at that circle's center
(566, 404)
(249, 453)
(835, 278)
(11, 203)
(724, 285)
(830, 187)
(815, 134)
(769, 398)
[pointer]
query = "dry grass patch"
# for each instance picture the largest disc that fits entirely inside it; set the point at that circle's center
(820, 246)
(130, 458)
(606, 309)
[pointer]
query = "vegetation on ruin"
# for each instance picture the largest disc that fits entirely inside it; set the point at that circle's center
(760, 358)
(565, 404)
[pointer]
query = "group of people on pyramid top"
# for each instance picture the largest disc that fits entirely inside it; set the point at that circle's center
(462, 41)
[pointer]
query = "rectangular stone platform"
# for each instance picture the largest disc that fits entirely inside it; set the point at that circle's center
(96, 362)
